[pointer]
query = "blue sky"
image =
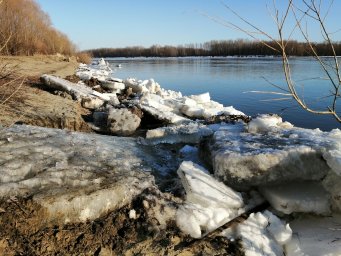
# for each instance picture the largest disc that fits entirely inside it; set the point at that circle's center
(121, 23)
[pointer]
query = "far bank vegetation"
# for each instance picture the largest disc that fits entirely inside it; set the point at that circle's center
(217, 48)
(25, 29)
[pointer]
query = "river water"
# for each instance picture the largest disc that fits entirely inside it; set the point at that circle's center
(230, 80)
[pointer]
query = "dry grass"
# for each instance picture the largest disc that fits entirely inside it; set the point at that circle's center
(84, 57)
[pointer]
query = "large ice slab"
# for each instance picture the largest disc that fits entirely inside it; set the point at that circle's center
(315, 236)
(88, 97)
(298, 197)
(209, 203)
(243, 159)
(74, 176)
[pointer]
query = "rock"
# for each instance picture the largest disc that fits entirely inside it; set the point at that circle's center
(243, 160)
(74, 177)
(100, 119)
(122, 122)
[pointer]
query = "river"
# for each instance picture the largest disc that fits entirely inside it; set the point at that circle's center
(229, 81)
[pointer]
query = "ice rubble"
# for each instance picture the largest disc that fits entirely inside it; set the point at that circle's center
(263, 234)
(166, 105)
(99, 70)
(209, 203)
(74, 176)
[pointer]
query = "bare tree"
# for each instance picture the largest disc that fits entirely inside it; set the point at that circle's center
(303, 13)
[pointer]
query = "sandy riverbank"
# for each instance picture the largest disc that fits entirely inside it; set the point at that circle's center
(25, 102)
(37, 65)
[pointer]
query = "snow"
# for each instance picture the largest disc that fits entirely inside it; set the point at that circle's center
(315, 236)
(263, 234)
(209, 203)
(309, 197)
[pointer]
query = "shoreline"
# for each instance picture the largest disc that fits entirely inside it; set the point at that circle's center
(201, 166)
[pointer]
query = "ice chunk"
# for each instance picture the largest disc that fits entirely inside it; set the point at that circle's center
(263, 235)
(313, 235)
(209, 203)
(231, 111)
(296, 196)
(122, 121)
(136, 85)
(201, 98)
(74, 176)
(184, 133)
(112, 86)
(265, 123)
(244, 160)
(77, 91)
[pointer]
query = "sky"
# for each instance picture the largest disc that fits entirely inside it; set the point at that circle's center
(120, 23)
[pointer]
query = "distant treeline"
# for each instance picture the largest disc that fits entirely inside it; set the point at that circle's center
(26, 30)
(216, 48)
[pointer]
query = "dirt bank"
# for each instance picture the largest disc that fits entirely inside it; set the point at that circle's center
(32, 66)
(23, 100)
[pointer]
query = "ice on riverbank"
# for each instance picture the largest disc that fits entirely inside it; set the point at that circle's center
(75, 177)
(192, 132)
(209, 203)
(166, 105)
(313, 235)
(263, 234)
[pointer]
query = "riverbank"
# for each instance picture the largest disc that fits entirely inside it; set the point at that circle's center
(27, 103)
(174, 175)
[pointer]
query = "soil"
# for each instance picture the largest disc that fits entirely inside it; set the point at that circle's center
(112, 234)
(24, 102)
